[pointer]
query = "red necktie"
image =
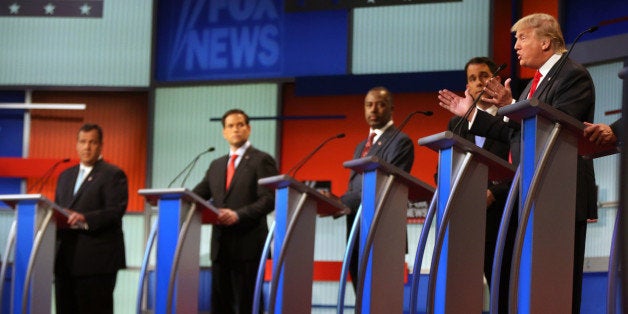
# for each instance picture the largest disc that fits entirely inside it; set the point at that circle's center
(535, 83)
(230, 170)
(369, 143)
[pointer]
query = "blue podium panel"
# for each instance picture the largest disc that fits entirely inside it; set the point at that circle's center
(542, 272)
(294, 240)
(461, 218)
(456, 273)
(178, 240)
(384, 203)
(546, 264)
(386, 191)
(170, 218)
(34, 252)
(24, 240)
(296, 208)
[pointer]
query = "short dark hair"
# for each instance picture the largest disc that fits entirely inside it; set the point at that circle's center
(234, 111)
(91, 126)
(481, 60)
(387, 94)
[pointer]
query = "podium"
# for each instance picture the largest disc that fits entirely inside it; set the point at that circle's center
(386, 190)
(35, 236)
(178, 230)
(463, 172)
(542, 278)
(296, 207)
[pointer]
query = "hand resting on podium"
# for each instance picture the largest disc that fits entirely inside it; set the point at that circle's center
(74, 220)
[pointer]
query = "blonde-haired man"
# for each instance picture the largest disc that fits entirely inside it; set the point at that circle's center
(540, 46)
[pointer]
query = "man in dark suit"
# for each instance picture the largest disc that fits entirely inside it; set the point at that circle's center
(540, 46)
(399, 151)
(238, 239)
(91, 245)
(478, 71)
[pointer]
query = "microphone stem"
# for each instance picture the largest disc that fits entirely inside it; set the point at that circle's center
(189, 166)
(397, 131)
(466, 114)
(298, 166)
(476, 100)
(190, 170)
(562, 61)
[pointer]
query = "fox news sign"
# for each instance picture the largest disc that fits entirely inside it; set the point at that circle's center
(316, 5)
(200, 40)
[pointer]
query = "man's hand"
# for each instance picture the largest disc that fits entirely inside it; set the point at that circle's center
(497, 94)
(75, 219)
(490, 198)
(228, 217)
(599, 133)
(456, 104)
(329, 194)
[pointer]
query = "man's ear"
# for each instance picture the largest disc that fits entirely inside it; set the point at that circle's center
(546, 44)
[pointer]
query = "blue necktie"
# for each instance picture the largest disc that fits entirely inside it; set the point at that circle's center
(79, 180)
(479, 140)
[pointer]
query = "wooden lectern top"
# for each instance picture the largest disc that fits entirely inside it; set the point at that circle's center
(326, 206)
(209, 211)
(532, 107)
(13, 200)
(417, 189)
(498, 169)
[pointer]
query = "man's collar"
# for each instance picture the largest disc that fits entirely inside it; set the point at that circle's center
(382, 130)
(547, 66)
(240, 151)
(492, 110)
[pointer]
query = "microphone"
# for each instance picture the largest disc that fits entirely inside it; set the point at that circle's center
(190, 166)
(301, 163)
(41, 183)
(401, 126)
(476, 100)
(562, 61)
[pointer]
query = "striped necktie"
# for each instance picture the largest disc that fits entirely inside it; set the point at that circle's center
(368, 145)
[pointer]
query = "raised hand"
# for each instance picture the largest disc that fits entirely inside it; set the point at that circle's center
(497, 94)
(454, 103)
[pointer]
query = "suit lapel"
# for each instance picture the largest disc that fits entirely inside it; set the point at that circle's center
(526, 91)
(222, 170)
(356, 155)
(381, 141)
(70, 181)
(87, 182)
(463, 131)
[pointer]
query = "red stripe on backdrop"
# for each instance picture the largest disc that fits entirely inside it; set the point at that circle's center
(13, 167)
(324, 271)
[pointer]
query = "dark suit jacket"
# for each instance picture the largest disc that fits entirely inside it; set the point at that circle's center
(102, 199)
(400, 153)
(617, 129)
(573, 93)
(499, 189)
(245, 239)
